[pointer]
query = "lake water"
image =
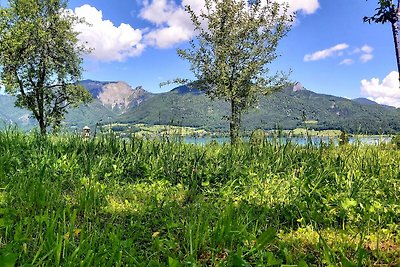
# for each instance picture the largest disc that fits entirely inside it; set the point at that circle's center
(315, 140)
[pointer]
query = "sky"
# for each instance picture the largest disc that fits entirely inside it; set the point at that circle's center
(329, 49)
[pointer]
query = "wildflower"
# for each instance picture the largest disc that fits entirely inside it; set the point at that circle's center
(66, 236)
(77, 232)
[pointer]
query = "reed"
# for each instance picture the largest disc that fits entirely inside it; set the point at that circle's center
(65, 201)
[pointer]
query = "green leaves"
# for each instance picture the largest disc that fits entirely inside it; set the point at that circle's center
(238, 261)
(230, 55)
(173, 262)
(8, 259)
(386, 12)
(265, 238)
(176, 204)
(41, 58)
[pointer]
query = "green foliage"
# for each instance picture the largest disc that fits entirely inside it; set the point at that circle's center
(258, 137)
(343, 138)
(396, 141)
(40, 59)
(389, 11)
(65, 201)
(229, 56)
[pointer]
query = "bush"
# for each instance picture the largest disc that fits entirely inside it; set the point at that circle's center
(257, 137)
(396, 141)
(343, 138)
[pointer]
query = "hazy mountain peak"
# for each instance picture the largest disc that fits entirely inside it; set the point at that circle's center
(121, 96)
(298, 87)
(115, 94)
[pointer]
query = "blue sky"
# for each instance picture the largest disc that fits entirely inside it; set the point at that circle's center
(329, 49)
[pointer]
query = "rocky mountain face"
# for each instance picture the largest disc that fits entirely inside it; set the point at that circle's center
(298, 87)
(116, 96)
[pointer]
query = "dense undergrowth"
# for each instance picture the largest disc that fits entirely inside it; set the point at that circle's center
(65, 201)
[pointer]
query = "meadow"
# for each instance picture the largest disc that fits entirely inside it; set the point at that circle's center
(65, 201)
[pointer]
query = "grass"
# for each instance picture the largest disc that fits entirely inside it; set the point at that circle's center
(65, 201)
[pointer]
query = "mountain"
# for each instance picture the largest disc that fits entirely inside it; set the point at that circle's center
(116, 96)
(181, 106)
(9, 114)
(110, 99)
(287, 109)
(366, 101)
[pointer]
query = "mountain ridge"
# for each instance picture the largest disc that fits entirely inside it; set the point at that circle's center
(293, 107)
(287, 109)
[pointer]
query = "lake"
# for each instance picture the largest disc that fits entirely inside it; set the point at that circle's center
(315, 140)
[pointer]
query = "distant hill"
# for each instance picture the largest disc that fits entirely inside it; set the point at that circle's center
(366, 101)
(286, 109)
(181, 106)
(9, 114)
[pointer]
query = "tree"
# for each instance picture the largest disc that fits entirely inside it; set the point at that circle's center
(40, 59)
(388, 11)
(235, 40)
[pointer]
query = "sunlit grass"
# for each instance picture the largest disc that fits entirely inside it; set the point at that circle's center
(65, 201)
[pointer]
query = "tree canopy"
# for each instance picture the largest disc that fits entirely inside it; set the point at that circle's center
(40, 58)
(234, 43)
(389, 11)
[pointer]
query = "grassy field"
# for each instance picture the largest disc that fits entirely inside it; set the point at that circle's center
(145, 130)
(106, 202)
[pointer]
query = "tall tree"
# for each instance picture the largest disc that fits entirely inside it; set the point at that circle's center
(389, 11)
(235, 41)
(40, 59)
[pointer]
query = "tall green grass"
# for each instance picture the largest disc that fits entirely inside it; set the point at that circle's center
(65, 201)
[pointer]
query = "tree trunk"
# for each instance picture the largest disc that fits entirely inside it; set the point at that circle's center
(40, 106)
(42, 126)
(235, 123)
(395, 31)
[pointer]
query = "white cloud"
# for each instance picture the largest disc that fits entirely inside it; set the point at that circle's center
(386, 92)
(158, 11)
(367, 49)
(303, 6)
(173, 24)
(168, 36)
(322, 54)
(340, 50)
(366, 57)
(110, 43)
(347, 61)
